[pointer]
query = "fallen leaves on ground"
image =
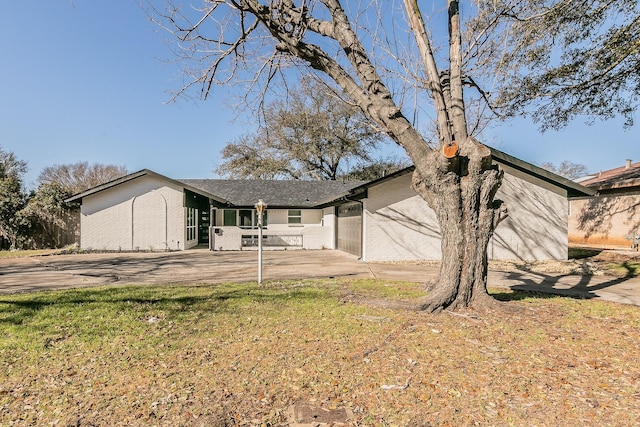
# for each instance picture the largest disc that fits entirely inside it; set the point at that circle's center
(243, 354)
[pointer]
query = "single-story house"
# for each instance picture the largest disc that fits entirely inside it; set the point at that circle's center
(380, 220)
(611, 217)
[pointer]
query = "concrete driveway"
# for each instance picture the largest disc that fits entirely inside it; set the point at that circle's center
(185, 267)
(202, 266)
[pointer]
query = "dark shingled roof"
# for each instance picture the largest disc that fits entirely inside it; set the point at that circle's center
(302, 194)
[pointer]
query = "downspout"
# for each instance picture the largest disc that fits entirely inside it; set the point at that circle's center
(133, 201)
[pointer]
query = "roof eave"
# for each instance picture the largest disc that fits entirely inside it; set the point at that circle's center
(572, 188)
(108, 185)
(353, 195)
(135, 175)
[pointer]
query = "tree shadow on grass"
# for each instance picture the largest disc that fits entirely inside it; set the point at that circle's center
(539, 285)
(215, 299)
(519, 295)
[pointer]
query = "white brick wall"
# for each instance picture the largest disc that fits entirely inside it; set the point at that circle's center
(399, 225)
(145, 214)
(537, 225)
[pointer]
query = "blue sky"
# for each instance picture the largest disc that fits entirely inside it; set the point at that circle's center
(83, 80)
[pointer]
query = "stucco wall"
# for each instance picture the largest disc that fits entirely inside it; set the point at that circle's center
(143, 214)
(605, 220)
(399, 225)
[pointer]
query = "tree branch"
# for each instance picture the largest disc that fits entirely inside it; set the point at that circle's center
(434, 85)
(457, 113)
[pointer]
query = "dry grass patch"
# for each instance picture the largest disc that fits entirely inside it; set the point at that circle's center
(26, 253)
(239, 354)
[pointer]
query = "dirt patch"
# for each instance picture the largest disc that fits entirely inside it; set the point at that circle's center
(616, 256)
(585, 267)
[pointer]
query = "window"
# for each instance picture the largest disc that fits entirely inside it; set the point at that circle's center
(294, 216)
(244, 218)
(192, 224)
(229, 217)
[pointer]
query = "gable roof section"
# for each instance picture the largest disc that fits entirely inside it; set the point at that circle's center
(524, 170)
(318, 194)
(624, 177)
(535, 173)
(276, 193)
(136, 175)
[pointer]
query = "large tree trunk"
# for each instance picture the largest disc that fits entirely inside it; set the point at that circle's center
(459, 186)
(461, 191)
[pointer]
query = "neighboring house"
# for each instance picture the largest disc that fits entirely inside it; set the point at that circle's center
(612, 216)
(381, 220)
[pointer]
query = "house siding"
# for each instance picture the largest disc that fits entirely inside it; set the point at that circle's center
(143, 214)
(399, 225)
(537, 224)
(605, 220)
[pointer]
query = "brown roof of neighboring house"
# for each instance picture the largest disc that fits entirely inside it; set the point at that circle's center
(626, 176)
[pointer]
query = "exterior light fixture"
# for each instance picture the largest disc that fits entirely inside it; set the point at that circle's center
(261, 207)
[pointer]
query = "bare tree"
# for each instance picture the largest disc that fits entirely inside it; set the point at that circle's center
(313, 134)
(566, 169)
(257, 41)
(78, 177)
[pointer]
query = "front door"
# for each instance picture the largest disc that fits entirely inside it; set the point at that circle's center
(203, 223)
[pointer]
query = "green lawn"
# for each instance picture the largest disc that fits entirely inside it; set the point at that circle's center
(226, 354)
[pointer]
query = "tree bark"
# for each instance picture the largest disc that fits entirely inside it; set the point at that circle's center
(461, 192)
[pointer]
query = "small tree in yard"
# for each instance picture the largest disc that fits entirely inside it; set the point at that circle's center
(52, 221)
(382, 69)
